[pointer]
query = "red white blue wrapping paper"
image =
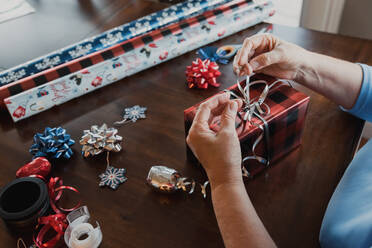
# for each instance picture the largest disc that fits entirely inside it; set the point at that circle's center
(63, 89)
(111, 37)
(116, 50)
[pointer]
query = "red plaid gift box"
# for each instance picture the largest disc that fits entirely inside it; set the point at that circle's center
(284, 128)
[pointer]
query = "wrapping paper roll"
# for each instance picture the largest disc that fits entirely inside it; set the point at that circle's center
(115, 51)
(182, 38)
(111, 37)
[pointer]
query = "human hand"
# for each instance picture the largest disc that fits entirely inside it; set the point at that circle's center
(268, 54)
(219, 152)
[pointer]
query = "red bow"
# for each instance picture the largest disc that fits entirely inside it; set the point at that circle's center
(202, 73)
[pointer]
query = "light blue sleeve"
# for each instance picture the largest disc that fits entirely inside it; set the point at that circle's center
(348, 218)
(363, 106)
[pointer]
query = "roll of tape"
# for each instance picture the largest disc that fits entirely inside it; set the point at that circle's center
(228, 51)
(84, 235)
(80, 233)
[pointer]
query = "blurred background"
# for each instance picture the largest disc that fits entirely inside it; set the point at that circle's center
(346, 17)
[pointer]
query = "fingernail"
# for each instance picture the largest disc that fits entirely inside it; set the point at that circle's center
(233, 106)
(238, 101)
(254, 65)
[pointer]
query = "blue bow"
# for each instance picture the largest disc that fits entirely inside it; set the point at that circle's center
(53, 143)
(210, 53)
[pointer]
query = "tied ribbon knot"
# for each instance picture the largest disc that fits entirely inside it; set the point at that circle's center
(202, 73)
(57, 221)
(256, 108)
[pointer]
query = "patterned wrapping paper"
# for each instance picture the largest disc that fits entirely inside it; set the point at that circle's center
(111, 37)
(136, 55)
(114, 51)
(286, 122)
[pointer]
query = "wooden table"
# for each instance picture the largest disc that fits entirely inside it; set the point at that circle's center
(291, 198)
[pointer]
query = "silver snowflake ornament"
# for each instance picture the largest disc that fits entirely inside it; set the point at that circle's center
(132, 114)
(112, 177)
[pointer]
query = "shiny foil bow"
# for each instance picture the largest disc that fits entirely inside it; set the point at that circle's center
(202, 73)
(168, 180)
(100, 139)
(53, 143)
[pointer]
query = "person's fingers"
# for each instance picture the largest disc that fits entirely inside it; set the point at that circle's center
(228, 116)
(220, 108)
(203, 114)
(243, 58)
(251, 44)
(264, 60)
(241, 70)
(254, 46)
(236, 67)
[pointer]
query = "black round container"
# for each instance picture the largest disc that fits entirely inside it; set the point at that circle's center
(22, 201)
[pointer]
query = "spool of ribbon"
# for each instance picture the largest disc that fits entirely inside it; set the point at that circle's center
(22, 202)
(168, 180)
(80, 233)
(202, 73)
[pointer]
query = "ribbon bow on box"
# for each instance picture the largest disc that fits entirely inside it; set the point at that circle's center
(256, 108)
(255, 112)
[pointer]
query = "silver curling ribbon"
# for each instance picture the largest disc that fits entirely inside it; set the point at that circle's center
(80, 233)
(168, 180)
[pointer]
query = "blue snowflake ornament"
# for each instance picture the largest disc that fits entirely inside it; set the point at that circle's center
(112, 177)
(53, 143)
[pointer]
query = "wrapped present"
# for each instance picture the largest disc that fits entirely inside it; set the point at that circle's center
(268, 127)
(55, 86)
